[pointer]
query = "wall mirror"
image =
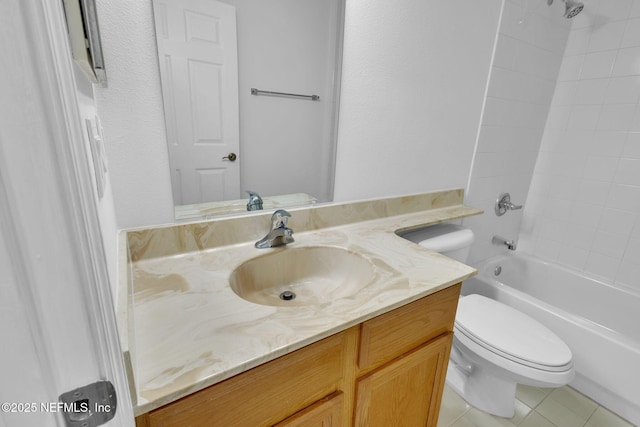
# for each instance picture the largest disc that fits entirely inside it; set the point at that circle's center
(251, 93)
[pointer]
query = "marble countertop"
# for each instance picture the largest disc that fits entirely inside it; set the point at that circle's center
(189, 330)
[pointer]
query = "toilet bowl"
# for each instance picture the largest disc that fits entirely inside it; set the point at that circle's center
(495, 347)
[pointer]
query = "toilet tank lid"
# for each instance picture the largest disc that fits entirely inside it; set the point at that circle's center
(441, 237)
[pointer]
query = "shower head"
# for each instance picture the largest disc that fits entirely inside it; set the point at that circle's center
(572, 7)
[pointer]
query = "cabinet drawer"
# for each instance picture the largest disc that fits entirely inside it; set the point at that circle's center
(392, 334)
(268, 393)
(325, 413)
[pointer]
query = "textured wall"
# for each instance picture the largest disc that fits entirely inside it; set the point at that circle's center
(132, 115)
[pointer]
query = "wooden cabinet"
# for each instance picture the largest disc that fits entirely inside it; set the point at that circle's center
(386, 371)
(407, 391)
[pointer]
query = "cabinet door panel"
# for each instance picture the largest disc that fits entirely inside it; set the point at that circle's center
(325, 413)
(406, 391)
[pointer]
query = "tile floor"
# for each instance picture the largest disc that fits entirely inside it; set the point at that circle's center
(535, 407)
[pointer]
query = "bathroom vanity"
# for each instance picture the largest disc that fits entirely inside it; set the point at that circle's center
(385, 370)
(202, 350)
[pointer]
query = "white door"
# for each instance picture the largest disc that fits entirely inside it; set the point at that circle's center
(197, 51)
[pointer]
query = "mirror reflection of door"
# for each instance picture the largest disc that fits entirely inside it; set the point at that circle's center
(197, 51)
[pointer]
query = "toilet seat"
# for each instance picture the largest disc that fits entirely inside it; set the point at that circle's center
(510, 334)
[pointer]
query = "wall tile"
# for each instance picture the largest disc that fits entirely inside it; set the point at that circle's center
(631, 36)
(584, 117)
(578, 41)
(573, 256)
(627, 62)
(598, 64)
(616, 117)
(616, 221)
(630, 266)
(609, 244)
(586, 215)
(623, 90)
(570, 68)
(606, 37)
(624, 197)
(505, 54)
(632, 146)
(599, 168)
(628, 172)
(579, 236)
(590, 92)
(602, 266)
(635, 9)
(607, 143)
(613, 10)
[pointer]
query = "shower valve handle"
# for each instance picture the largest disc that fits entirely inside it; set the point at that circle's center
(503, 204)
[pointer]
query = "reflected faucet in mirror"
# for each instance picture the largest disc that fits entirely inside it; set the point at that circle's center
(255, 201)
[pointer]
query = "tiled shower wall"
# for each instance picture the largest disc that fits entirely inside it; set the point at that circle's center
(583, 208)
(529, 48)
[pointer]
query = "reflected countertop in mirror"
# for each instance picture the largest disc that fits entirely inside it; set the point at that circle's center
(231, 207)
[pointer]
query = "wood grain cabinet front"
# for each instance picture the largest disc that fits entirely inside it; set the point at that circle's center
(327, 412)
(387, 371)
(407, 391)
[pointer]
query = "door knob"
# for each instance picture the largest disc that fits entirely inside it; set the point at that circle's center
(231, 157)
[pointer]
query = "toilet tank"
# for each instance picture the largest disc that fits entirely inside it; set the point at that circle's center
(451, 240)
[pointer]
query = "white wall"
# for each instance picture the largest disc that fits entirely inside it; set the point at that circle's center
(413, 85)
(20, 370)
(105, 205)
(19, 366)
(527, 59)
(583, 209)
(286, 46)
(132, 115)
(38, 273)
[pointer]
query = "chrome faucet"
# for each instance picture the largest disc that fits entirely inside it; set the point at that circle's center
(279, 234)
(255, 201)
(503, 204)
(510, 244)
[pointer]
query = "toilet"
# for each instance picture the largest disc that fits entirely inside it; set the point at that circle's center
(495, 347)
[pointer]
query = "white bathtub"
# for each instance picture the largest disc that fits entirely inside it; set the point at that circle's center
(599, 322)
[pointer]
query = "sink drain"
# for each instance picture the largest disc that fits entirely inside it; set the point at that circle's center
(287, 296)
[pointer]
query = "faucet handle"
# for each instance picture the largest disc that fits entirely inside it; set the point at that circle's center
(279, 219)
(503, 204)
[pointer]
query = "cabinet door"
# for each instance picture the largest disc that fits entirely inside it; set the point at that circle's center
(325, 413)
(407, 391)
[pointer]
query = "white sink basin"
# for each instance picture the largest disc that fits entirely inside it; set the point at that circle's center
(297, 276)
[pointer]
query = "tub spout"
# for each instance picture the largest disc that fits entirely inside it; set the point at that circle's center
(510, 244)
